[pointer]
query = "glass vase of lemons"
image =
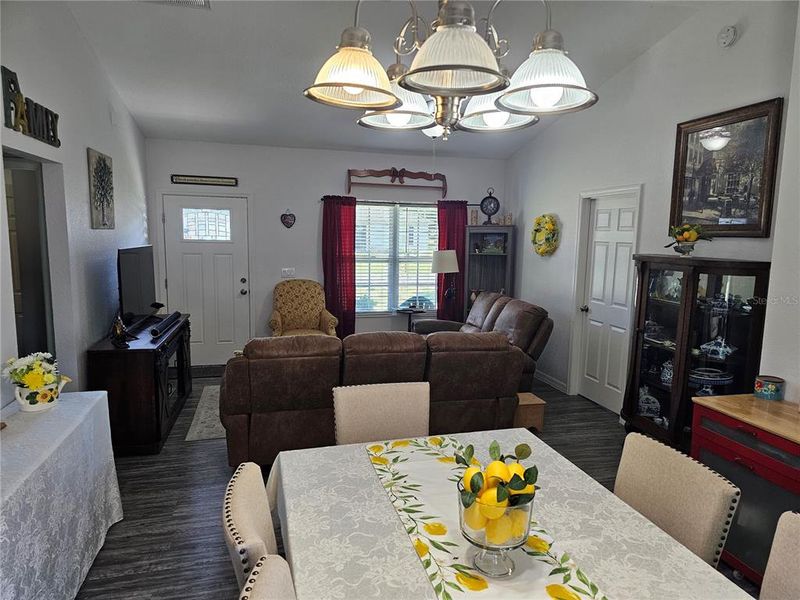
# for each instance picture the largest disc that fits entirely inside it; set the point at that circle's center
(495, 505)
(685, 236)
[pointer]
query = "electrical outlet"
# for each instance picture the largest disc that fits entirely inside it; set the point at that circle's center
(287, 273)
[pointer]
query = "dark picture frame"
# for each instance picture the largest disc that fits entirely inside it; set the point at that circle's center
(725, 166)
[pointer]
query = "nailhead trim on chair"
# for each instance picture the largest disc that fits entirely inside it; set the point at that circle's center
(731, 508)
(232, 531)
(252, 580)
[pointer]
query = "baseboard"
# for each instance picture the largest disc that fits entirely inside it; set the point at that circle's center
(201, 371)
(551, 381)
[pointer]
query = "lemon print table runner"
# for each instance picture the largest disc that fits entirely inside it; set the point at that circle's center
(419, 476)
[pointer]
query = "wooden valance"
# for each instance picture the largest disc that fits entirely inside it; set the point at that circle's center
(397, 178)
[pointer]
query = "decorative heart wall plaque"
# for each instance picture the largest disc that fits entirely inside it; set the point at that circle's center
(288, 219)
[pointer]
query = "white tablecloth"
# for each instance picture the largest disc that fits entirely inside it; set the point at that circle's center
(343, 538)
(59, 496)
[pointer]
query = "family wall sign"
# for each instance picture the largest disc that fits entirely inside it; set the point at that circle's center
(25, 115)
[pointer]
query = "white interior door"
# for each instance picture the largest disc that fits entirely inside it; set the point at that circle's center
(608, 297)
(207, 272)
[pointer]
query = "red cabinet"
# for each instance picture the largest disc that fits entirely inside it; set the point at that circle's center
(736, 436)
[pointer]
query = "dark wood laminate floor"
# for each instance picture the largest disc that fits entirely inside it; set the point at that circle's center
(170, 544)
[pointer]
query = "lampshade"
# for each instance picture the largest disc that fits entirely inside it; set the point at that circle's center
(455, 60)
(548, 82)
(353, 78)
(444, 261)
(481, 115)
(715, 139)
(412, 114)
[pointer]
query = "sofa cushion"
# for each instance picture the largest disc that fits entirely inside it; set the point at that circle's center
(467, 328)
(480, 308)
(293, 346)
(520, 320)
(456, 341)
(383, 357)
(494, 312)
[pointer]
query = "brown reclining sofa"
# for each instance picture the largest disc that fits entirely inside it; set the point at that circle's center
(526, 326)
(278, 394)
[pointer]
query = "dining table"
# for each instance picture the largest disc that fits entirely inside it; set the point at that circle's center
(344, 539)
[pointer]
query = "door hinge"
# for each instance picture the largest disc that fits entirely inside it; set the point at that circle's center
(165, 283)
(163, 218)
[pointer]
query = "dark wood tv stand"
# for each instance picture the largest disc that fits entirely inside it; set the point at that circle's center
(147, 384)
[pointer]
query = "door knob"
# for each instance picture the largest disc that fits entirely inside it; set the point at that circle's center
(243, 292)
(243, 280)
(584, 308)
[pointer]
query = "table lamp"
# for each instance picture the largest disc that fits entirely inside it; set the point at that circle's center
(445, 261)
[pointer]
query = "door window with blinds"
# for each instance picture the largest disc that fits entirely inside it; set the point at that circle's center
(394, 249)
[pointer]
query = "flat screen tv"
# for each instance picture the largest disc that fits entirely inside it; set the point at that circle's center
(137, 283)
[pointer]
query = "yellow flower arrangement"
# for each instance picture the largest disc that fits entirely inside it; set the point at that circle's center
(36, 377)
(546, 234)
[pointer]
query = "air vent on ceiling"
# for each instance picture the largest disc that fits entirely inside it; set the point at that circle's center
(204, 4)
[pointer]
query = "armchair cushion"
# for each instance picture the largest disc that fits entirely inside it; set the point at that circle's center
(520, 320)
(480, 308)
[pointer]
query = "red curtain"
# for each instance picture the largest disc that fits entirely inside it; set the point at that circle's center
(452, 232)
(339, 260)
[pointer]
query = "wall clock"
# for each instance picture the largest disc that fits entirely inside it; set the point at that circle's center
(489, 206)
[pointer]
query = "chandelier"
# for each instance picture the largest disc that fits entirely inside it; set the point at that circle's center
(455, 81)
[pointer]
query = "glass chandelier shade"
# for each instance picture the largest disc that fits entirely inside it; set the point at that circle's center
(412, 114)
(353, 78)
(548, 82)
(434, 132)
(715, 139)
(455, 60)
(481, 115)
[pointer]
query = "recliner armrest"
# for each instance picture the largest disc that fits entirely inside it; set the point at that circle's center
(540, 338)
(426, 326)
(275, 324)
(327, 322)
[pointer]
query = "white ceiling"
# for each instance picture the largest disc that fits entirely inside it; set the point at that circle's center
(235, 73)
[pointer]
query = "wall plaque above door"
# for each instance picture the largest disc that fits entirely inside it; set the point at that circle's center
(25, 115)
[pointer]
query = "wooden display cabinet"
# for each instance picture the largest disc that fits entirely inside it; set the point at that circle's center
(489, 261)
(698, 329)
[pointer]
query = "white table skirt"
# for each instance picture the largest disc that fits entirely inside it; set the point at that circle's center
(59, 496)
(343, 538)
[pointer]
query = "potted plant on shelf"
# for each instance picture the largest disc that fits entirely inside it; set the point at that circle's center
(37, 382)
(685, 236)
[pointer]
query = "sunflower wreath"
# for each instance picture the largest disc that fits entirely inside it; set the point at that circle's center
(546, 234)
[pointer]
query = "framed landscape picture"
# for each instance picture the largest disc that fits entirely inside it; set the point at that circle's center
(725, 166)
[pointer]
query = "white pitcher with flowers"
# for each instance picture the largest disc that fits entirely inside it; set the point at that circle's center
(37, 382)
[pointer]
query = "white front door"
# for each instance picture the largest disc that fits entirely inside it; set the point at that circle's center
(207, 272)
(608, 296)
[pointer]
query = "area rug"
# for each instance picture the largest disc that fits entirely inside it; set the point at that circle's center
(206, 424)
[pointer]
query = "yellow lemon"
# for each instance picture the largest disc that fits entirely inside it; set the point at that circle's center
(436, 441)
(435, 528)
(559, 592)
(476, 583)
(490, 506)
(498, 531)
(692, 236)
(469, 473)
(421, 548)
(537, 544)
(473, 517)
(518, 469)
(379, 460)
(401, 443)
(519, 522)
(495, 471)
(376, 448)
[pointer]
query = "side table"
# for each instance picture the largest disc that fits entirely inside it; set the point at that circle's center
(410, 312)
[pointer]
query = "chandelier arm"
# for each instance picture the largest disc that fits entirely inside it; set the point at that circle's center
(413, 22)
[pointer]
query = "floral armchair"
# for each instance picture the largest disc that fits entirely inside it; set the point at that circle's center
(299, 309)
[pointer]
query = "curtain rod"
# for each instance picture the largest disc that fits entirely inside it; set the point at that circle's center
(434, 203)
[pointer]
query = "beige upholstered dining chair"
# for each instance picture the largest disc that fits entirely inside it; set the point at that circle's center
(246, 520)
(686, 499)
(782, 577)
(385, 411)
(271, 579)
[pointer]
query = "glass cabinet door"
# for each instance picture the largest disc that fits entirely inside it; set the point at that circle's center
(722, 336)
(659, 344)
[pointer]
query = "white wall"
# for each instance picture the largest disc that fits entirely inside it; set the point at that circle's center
(277, 179)
(629, 138)
(42, 43)
(781, 354)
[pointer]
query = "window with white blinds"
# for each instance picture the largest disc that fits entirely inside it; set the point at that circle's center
(394, 248)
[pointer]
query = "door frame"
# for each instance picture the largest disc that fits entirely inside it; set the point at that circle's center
(579, 281)
(160, 242)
